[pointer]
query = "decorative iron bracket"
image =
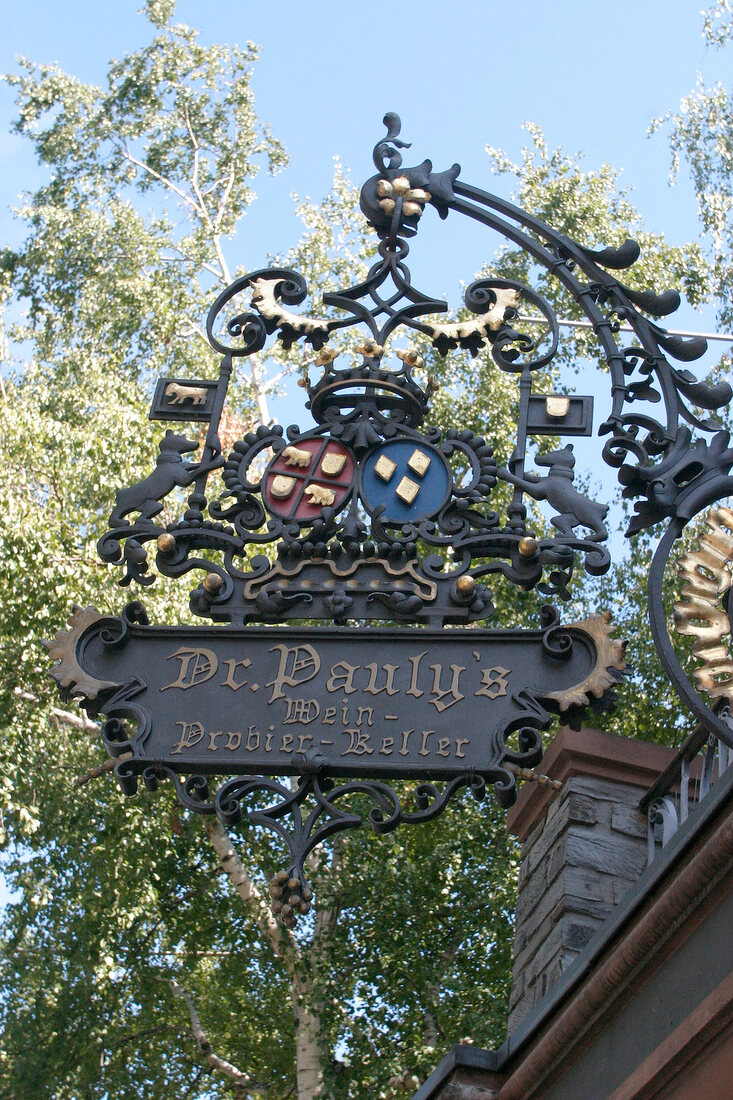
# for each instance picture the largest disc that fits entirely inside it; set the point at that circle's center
(371, 517)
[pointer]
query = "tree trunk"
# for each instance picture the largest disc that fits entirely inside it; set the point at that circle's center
(309, 1055)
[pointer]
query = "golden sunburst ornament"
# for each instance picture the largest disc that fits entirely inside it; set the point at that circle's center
(609, 663)
(68, 673)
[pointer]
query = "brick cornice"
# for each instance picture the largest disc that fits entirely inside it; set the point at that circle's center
(587, 752)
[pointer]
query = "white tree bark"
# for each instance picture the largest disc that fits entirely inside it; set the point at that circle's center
(242, 1082)
(310, 1054)
(308, 1048)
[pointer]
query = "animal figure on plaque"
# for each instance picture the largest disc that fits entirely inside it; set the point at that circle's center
(146, 496)
(574, 510)
(319, 494)
(296, 456)
(176, 394)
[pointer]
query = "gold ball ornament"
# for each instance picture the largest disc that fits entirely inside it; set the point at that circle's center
(166, 543)
(528, 546)
(466, 586)
(401, 185)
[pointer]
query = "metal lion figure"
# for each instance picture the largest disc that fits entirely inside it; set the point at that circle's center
(574, 509)
(146, 496)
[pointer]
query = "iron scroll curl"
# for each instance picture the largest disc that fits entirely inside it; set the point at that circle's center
(371, 516)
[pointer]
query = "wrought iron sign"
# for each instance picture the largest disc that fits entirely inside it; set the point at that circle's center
(372, 518)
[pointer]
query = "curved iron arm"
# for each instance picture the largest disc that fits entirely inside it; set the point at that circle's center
(345, 554)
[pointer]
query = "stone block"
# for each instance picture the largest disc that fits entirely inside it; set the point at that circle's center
(531, 892)
(629, 821)
(551, 946)
(615, 855)
(621, 888)
(517, 991)
(548, 901)
(519, 1013)
(581, 809)
(538, 948)
(549, 837)
(553, 809)
(556, 862)
(581, 882)
(597, 909)
(576, 933)
(596, 788)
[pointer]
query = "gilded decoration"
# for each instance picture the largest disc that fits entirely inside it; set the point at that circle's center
(343, 576)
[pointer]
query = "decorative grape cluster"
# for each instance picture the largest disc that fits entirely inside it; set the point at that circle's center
(290, 897)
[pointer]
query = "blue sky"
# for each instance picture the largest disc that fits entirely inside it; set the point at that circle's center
(461, 76)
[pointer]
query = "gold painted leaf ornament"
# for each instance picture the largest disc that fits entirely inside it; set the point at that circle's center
(413, 198)
(700, 613)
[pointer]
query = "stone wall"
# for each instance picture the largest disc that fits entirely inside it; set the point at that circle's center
(583, 848)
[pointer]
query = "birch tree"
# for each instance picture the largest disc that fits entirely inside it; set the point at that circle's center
(140, 955)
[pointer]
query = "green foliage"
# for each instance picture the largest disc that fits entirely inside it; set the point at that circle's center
(423, 944)
(147, 179)
(594, 209)
(701, 135)
(410, 948)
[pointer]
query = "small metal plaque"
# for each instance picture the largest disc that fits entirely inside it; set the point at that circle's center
(384, 468)
(557, 414)
(407, 490)
(183, 399)
(281, 486)
(332, 464)
(419, 462)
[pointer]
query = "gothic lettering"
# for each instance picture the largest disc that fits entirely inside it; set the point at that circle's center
(388, 686)
(424, 742)
(232, 667)
(197, 666)
(493, 682)
(415, 662)
(234, 740)
(358, 743)
(191, 734)
(303, 711)
(452, 691)
(341, 677)
(297, 665)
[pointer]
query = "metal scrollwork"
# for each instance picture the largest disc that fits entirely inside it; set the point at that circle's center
(372, 515)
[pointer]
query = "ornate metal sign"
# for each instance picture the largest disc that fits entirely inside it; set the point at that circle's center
(434, 704)
(371, 517)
